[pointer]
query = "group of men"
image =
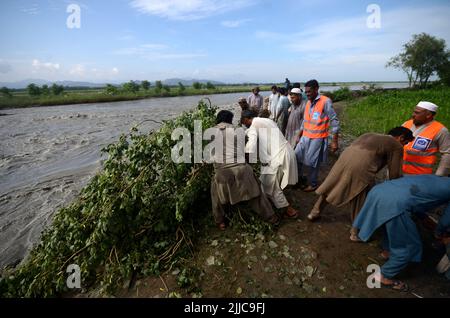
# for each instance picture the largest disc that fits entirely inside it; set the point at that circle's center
(291, 136)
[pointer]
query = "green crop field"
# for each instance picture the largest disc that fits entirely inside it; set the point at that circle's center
(384, 110)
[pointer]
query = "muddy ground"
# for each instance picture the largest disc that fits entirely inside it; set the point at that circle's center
(298, 259)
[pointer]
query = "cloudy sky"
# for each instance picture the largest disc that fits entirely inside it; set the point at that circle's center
(231, 41)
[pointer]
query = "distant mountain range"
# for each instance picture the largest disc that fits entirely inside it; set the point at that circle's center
(171, 82)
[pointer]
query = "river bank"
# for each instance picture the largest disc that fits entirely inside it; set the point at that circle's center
(22, 100)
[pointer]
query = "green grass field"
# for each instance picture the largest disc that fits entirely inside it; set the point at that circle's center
(384, 110)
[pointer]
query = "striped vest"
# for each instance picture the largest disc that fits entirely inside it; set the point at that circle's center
(314, 126)
(419, 157)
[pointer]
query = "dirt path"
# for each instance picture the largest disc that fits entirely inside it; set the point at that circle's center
(299, 259)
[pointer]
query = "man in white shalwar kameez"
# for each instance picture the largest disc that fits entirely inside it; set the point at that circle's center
(279, 165)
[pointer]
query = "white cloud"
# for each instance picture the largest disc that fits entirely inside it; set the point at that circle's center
(153, 46)
(140, 50)
(45, 66)
(78, 70)
(33, 9)
(188, 9)
(127, 37)
(156, 52)
(234, 23)
(350, 42)
(115, 70)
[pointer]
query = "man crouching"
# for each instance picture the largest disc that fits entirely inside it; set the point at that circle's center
(235, 181)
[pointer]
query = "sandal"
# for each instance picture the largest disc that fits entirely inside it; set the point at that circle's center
(384, 255)
(396, 285)
(291, 213)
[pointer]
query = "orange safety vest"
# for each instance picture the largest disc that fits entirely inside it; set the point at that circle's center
(314, 126)
(418, 157)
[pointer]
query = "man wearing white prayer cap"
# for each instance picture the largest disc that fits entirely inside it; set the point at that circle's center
(430, 137)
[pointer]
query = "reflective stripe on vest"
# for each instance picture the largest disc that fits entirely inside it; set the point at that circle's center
(418, 157)
(313, 125)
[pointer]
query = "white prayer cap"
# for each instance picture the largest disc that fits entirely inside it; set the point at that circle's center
(427, 105)
(296, 91)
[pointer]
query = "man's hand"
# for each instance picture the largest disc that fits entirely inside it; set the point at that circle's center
(334, 144)
(297, 139)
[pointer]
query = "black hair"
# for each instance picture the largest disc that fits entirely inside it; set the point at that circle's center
(282, 90)
(312, 84)
(249, 114)
(274, 87)
(401, 131)
(224, 116)
(296, 85)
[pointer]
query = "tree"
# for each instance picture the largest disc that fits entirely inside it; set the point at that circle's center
(45, 90)
(158, 85)
(210, 85)
(111, 89)
(145, 85)
(131, 87)
(57, 89)
(6, 92)
(33, 90)
(166, 88)
(444, 73)
(181, 88)
(197, 85)
(421, 58)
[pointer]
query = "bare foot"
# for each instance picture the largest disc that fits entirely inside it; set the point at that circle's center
(313, 215)
(354, 238)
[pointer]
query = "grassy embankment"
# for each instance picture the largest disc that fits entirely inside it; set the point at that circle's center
(22, 99)
(382, 111)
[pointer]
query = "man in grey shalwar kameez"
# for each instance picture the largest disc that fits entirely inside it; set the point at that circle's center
(282, 111)
(391, 205)
(234, 180)
(295, 120)
(312, 148)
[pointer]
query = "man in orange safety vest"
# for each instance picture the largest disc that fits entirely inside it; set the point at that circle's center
(431, 137)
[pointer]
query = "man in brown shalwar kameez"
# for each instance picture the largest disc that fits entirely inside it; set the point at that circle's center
(234, 180)
(353, 174)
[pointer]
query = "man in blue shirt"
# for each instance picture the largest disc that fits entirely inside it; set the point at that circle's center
(391, 205)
